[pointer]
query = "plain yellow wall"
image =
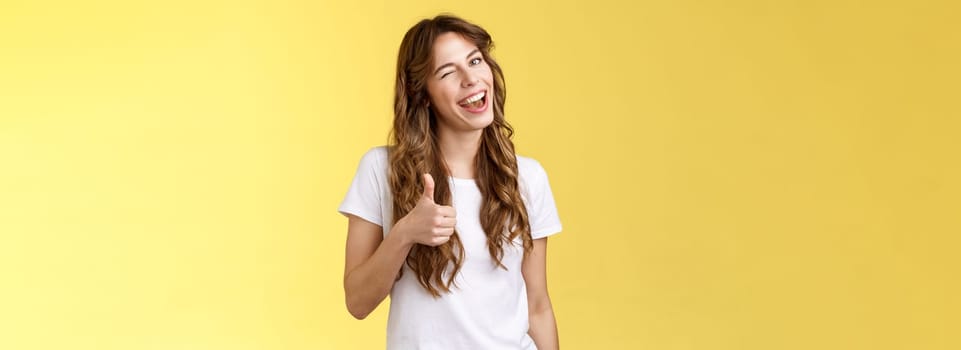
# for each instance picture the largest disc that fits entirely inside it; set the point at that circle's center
(730, 174)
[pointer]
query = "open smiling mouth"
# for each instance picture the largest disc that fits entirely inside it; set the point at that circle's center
(475, 103)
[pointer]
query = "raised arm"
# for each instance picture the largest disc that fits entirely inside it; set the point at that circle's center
(371, 265)
(372, 261)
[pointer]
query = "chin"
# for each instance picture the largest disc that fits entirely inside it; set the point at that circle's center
(482, 121)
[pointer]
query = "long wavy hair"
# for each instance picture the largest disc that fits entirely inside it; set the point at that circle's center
(415, 150)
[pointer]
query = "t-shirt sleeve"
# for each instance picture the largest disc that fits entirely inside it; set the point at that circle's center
(364, 196)
(541, 209)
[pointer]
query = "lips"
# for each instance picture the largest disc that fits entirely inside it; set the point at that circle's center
(475, 103)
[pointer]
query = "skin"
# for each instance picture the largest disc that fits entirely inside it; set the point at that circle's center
(459, 72)
(372, 260)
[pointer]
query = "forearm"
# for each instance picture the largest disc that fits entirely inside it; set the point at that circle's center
(543, 328)
(369, 283)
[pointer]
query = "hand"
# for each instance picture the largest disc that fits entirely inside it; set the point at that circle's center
(428, 223)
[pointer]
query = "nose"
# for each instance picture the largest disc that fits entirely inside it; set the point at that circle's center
(470, 79)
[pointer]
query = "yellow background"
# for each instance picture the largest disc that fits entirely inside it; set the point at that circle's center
(730, 174)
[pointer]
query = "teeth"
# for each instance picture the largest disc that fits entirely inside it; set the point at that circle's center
(475, 98)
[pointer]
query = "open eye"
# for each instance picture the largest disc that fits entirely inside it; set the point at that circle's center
(476, 61)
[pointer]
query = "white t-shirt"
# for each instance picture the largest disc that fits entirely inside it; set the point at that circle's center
(488, 307)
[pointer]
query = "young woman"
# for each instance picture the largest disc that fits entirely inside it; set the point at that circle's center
(448, 220)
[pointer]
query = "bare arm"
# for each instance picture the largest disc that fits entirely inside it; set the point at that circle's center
(372, 261)
(371, 265)
(543, 327)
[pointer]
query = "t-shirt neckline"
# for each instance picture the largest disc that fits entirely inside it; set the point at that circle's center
(461, 180)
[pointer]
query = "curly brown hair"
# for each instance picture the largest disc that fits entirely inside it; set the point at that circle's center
(415, 150)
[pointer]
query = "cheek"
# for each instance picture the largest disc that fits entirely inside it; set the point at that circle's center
(439, 93)
(488, 72)
(488, 77)
(434, 93)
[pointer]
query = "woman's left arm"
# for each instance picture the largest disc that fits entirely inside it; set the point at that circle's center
(543, 327)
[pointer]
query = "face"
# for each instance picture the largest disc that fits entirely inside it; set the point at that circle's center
(460, 85)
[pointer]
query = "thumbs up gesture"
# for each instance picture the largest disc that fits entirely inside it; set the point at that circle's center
(428, 223)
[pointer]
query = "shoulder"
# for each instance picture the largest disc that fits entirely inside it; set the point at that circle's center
(531, 176)
(373, 167)
(374, 161)
(368, 194)
(375, 155)
(538, 198)
(529, 168)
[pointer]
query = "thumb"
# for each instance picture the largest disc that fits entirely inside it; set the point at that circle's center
(429, 187)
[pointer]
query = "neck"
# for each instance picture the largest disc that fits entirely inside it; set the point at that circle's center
(459, 150)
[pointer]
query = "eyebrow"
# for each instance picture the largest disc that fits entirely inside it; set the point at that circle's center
(451, 64)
